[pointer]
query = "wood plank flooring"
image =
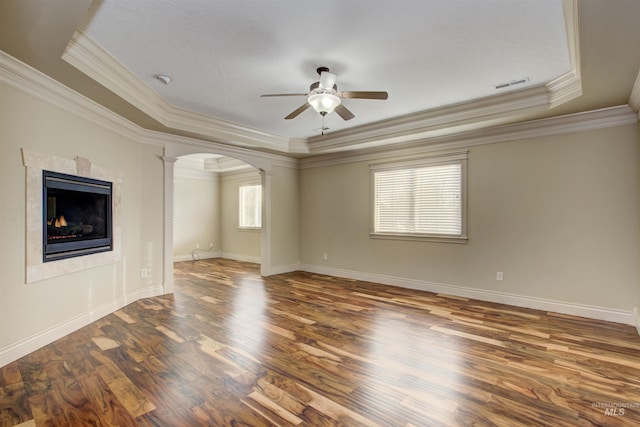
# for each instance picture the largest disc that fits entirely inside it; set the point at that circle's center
(233, 349)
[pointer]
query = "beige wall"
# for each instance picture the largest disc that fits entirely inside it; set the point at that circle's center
(27, 310)
(557, 215)
(285, 218)
(237, 244)
(196, 215)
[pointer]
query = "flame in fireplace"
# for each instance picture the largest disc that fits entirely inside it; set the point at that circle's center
(58, 222)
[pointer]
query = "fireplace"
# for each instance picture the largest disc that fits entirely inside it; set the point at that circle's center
(77, 216)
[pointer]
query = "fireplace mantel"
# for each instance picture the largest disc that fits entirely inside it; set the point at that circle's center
(35, 163)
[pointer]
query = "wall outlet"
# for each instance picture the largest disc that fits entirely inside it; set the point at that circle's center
(325, 256)
(197, 245)
(144, 272)
(499, 276)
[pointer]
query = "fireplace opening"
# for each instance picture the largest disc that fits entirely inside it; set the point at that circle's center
(76, 216)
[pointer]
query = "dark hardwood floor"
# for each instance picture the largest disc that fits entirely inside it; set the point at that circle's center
(233, 349)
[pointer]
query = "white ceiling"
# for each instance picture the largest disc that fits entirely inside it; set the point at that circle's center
(222, 55)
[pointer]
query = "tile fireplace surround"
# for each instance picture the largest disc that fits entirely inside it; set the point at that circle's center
(35, 163)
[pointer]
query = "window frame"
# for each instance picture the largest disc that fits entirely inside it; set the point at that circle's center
(240, 206)
(460, 157)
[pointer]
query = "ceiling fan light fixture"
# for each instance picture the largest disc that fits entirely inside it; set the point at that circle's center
(324, 103)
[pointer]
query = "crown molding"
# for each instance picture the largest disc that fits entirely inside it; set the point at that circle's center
(466, 116)
(22, 77)
(87, 56)
(198, 174)
(90, 58)
(591, 120)
(27, 79)
(634, 98)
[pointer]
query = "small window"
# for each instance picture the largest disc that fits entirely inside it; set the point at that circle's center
(420, 199)
(250, 206)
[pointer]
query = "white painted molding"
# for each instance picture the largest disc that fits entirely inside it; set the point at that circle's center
(91, 59)
(199, 174)
(34, 342)
(87, 56)
(569, 85)
(634, 98)
(283, 269)
(22, 77)
(593, 312)
(201, 255)
(241, 257)
(251, 176)
(591, 120)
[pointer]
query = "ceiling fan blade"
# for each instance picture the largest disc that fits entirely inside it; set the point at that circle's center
(344, 112)
(327, 80)
(283, 94)
(364, 95)
(299, 110)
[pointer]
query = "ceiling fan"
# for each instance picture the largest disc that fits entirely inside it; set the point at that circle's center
(324, 97)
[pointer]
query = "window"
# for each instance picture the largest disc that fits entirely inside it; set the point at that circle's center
(420, 199)
(250, 206)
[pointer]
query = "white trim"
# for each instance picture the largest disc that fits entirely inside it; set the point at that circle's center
(197, 174)
(91, 59)
(36, 341)
(593, 312)
(24, 78)
(189, 257)
(241, 257)
(168, 164)
(579, 122)
(634, 97)
(244, 177)
(283, 269)
(265, 237)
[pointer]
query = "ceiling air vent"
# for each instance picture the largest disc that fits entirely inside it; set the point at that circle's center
(512, 83)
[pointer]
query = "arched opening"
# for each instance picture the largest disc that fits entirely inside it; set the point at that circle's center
(215, 155)
(217, 208)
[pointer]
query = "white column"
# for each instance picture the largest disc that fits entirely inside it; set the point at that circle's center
(265, 256)
(168, 224)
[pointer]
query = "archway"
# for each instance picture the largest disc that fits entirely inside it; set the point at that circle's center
(175, 151)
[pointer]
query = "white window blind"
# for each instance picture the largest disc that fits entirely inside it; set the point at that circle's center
(419, 200)
(250, 206)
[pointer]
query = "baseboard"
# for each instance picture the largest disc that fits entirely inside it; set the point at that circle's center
(34, 342)
(240, 257)
(201, 255)
(282, 269)
(593, 312)
(637, 319)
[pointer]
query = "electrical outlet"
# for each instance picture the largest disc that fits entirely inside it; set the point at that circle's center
(144, 272)
(325, 256)
(499, 276)
(197, 245)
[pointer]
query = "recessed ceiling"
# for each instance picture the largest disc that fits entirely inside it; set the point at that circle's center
(222, 55)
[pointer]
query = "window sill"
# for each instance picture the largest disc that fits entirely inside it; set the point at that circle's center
(253, 229)
(420, 237)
